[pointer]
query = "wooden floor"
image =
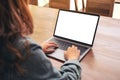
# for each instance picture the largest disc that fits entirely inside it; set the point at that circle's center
(116, 12)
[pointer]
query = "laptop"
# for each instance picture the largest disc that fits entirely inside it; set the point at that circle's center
(74, 28)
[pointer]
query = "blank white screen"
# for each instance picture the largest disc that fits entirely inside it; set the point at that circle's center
(76, 26)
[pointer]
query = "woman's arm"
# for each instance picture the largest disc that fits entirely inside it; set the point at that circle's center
(38, 67)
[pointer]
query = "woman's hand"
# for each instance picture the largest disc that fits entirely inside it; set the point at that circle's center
(72, 53)
(49, 47)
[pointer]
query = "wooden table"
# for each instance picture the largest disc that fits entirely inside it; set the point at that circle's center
(103, 61)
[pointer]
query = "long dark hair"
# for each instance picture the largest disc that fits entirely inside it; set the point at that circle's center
(15, 20)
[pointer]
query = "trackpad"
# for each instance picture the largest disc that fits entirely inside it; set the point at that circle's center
(58, 54)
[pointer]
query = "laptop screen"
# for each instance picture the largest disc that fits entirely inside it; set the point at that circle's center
(76, 26)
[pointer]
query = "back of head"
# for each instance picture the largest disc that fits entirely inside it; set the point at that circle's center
(15, 20)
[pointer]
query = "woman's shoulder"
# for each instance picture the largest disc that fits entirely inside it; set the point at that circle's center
(24, 43)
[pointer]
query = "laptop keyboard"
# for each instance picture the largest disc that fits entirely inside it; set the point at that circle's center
(64, 45)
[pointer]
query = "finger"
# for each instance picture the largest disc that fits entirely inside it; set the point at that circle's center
(73, 45)
(65, 52)
(53, 43)
(68, 48)
(50, 50)
(78, 51)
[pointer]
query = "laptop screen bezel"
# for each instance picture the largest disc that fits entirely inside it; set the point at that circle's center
(74, 40)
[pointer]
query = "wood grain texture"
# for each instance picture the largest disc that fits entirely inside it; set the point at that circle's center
(59, 4)
(103, 61)
(33, 2)
(101, 7)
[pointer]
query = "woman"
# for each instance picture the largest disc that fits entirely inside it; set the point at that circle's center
(23, 59)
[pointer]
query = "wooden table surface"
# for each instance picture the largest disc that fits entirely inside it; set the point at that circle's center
(103, 61)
